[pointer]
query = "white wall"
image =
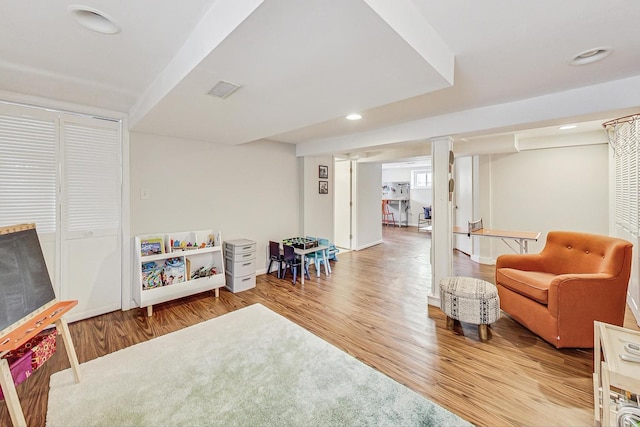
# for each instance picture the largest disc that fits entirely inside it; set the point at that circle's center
(318, 208)
(549, 189)
(246, 191)
(418, 198)
(367, 205)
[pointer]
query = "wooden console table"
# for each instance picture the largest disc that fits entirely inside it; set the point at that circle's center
(610, 371)
(522, 238)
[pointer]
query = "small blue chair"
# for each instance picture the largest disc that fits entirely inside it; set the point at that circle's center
(318, 257)
(332, 253)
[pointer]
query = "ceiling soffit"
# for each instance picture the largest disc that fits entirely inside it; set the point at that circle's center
(286, 54)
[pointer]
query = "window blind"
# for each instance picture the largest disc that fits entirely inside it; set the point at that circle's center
(91, 175)
(627, 136)
(28, 171)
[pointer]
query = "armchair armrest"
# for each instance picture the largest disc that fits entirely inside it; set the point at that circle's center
(525, 262)
(585, 295)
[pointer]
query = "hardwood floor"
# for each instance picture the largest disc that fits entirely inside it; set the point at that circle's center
(374, 307)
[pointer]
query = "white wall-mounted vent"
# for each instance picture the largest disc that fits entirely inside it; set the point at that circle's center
(223, 89)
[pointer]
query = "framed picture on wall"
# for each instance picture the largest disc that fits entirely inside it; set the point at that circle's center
(323, 172)
(323, 187)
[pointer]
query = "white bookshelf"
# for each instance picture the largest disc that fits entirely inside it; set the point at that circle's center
(175, 265)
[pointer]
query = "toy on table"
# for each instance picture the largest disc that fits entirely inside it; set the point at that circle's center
(300, 242)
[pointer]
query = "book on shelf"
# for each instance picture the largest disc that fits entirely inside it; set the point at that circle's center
(151, 246)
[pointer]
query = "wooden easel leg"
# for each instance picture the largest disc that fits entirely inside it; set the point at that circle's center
(10, 395)
(63, 330)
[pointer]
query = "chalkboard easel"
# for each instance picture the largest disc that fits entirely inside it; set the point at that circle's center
(24, 284)
(51, 316)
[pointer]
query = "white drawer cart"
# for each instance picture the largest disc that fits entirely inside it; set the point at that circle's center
(240, 264)
(175, 265)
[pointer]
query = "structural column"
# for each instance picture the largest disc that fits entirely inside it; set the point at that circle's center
(441, 234)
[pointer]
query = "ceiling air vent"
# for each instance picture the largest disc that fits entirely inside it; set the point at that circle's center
(223, 89)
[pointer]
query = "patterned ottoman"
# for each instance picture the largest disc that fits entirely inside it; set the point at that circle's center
(469, 300)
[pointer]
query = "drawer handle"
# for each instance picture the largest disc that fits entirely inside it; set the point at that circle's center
(246, 255)
(247, 247)
(244, 265)
(248, 278)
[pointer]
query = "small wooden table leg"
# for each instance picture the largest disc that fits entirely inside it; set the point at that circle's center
(450, 323)
(598, 393)
(10, 395)
(149, 310)
(482, 331)
(216, 292)
(63, 330)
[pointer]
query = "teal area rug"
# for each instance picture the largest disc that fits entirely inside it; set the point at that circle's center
(251, 367)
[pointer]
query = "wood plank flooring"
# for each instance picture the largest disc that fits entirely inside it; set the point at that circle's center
(374, 307)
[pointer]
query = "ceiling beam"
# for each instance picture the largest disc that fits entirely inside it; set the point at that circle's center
(223, 17)
(406, 20)
(606, 99)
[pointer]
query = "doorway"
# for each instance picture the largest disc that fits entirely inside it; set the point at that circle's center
(343, 204)
(463, 202)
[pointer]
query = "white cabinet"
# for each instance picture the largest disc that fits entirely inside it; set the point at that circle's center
(240, 264)
(175, 265)
(616, 378)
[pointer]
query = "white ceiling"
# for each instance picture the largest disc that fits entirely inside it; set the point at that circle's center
(415, 69)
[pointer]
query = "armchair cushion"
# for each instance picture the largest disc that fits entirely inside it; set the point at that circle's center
(577, 278)
(532, 284)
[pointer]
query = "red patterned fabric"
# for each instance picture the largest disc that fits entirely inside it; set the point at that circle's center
(43, 346)
(30, 356)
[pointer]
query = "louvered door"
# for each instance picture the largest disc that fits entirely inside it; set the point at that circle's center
(90, 214)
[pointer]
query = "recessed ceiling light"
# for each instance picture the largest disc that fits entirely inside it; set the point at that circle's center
(591, 55)
(567, 127)
(94, 20)
(354, 116)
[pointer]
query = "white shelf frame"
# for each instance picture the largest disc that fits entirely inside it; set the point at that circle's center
(152, 296)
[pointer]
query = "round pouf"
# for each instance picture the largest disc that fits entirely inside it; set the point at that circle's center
(470, 300)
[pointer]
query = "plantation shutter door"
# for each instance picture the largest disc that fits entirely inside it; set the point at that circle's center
(627, 188)
(91, 214)
(28, 190)
(633, 189)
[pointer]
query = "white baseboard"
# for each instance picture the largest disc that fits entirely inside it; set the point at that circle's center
(483, 260)
(81, 315)
(434, 300)
(368, 245)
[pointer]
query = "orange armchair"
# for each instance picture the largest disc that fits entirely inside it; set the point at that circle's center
(558, 294)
